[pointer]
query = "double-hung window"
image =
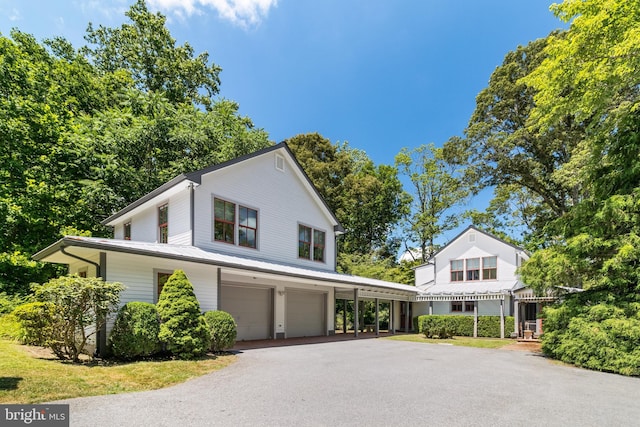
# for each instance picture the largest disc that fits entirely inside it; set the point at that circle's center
(163, 223)
(127, 231)
(311, 243)
(473, 269)
(489, 268)
(457, 270)
(227, 217)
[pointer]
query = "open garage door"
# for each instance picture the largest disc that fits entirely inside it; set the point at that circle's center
(251, 308)
(305, 314)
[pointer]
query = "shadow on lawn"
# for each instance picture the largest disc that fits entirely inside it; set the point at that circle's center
(9, 383)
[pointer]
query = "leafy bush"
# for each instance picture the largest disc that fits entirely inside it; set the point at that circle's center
(9, 302)
(36, 320)
(602, 335)
(223, 329)
(10, 327)
(462, 326)
(183, 329)
(81, 307)
(135, 331)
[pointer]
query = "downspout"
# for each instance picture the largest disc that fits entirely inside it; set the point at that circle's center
(192, 216)
(95, 264)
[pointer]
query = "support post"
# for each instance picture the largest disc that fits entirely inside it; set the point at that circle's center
(406, 316)
(377, 317)
(475, 319)
(430, 308)
(516, 318)
(391, 314)
(502, 318)
(356, 321)
(344, 316)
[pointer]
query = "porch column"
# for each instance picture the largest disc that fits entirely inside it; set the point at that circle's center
(475, 319)
(516, 317)
(430, 308)
(356, 322)
(377, 317)
(391, 319)
(344, 316)
(406, 317)
(502, 318)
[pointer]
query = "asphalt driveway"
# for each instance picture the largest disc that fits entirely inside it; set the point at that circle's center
(378, 382)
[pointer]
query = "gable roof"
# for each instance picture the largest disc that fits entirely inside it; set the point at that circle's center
(196, 178)
(473, 227)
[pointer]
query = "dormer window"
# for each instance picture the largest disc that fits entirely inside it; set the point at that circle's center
(163, 223)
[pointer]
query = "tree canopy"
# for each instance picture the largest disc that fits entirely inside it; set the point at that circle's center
(87, 131)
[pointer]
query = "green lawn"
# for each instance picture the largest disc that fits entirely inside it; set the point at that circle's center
(461, 341)
(27, 377)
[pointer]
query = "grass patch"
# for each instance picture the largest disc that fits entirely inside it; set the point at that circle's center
(460, 341)
(27, 378)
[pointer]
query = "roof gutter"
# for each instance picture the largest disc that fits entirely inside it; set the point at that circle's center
(79, 258)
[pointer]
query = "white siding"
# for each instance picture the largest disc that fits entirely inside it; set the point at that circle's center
(180, 218)
(144, 226)
(484, 246)
(424, 274)
(136, 273)
(282, 202)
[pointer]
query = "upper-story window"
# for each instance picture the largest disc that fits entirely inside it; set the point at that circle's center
(225, 224)
(224, 218)
(489, 268)
(311, 243)
(457, 270)
(247, 227)
(163, 223)
(127, 231)
(473, 269)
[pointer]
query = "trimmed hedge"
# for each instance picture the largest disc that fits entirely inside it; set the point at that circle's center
(223, 329)
(135, 332)
(488, 326)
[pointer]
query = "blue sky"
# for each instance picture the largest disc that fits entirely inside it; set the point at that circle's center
(380, 74)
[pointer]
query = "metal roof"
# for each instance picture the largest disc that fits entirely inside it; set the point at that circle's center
(197, 255)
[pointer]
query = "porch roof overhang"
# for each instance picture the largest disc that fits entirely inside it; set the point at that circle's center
(88, 247)
(472, 296)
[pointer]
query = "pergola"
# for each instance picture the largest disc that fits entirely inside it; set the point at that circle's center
(469, 296)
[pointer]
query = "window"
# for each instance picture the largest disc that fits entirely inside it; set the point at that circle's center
(456, 306)
(489, 268)
(163, 223)
(457, 270)
(304, 242)
(468, 306)
(247, 227)
(311, 243)
(161, 280)
(318, 245)
(127, 231)
(224, 221)
(473, 269)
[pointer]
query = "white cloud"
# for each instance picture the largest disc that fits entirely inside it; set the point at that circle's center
(15, 15)
(244, 13)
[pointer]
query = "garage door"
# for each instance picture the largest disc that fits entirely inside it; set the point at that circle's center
(305, 314)
(251, 309)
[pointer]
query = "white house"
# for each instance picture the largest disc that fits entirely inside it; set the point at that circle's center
(475, 275)
(254, 237)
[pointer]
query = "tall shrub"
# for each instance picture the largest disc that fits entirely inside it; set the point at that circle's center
(223, 329)
(36, 321)
(82, 305)
(183, 329)
(135, 331)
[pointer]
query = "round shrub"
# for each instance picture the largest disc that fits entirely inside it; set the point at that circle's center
(223, 329)
(135, 332)
(36, 322)
(182, 328)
